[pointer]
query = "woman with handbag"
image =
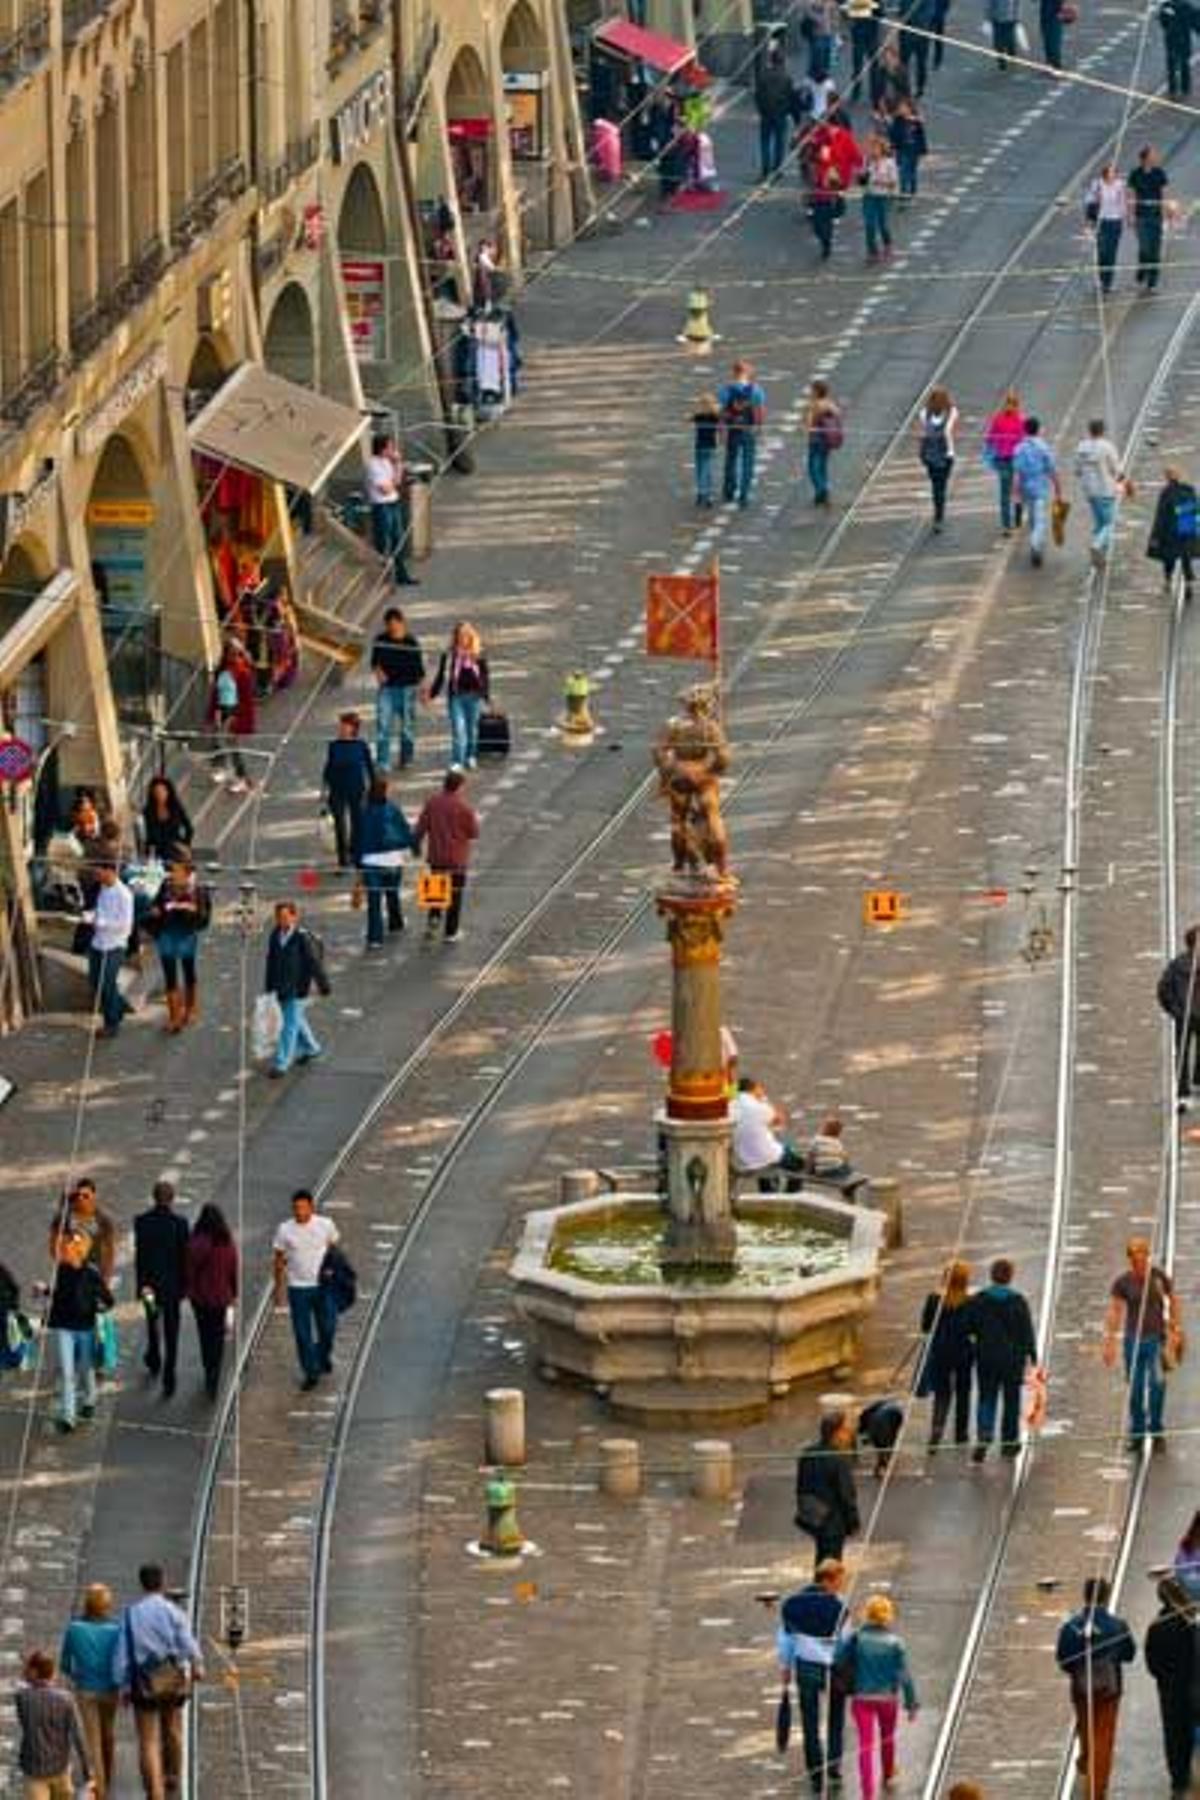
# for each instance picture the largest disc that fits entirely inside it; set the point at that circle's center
(873, 1668)
(77, 1299)
(384, 837)
(180, 912)
(211, 1283)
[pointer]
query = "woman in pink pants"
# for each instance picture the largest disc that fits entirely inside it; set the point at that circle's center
(875, 1663)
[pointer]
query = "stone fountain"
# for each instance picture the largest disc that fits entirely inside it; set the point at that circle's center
(700, 1308)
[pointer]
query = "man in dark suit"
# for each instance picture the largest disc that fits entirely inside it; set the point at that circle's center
(160, 1251)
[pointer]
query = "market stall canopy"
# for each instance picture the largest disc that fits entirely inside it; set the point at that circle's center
(662, 53)
(276, 428)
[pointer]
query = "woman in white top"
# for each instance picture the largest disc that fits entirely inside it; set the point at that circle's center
(1107, 208)
(936, 424)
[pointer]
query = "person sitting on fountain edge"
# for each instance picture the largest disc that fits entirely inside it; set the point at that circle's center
(756, 1148)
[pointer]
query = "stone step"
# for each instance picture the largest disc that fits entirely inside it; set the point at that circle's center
(699, 1405)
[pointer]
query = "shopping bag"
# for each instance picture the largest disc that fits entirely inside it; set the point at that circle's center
(265, 1027)
(108, 1350)
(1059, 513)
(1036, 1400)
(783, 1720)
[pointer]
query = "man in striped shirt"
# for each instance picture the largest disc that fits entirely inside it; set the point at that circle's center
(50, 1733)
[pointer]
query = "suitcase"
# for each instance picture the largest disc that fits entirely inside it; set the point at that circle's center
(495, 735)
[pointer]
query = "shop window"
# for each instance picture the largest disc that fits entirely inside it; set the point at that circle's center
(177, 147)
(200, 101)
(11, 362)
(39, 266)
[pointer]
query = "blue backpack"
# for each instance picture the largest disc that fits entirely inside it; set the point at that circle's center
(1187, 518)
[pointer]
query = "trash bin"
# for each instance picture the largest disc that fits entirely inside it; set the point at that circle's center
(420, 510)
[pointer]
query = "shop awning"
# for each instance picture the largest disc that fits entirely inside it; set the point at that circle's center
(259, 421)
(33, 628)
(639, 45)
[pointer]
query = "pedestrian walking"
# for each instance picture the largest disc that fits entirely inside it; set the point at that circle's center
(80, 1212)
(1144, 1317)
(947, 1356)
(384, 476)
(179, 912)
(51, 1734)
(1092, 1646)
(211, 1279)
(1185, 1564)
(864, 18)
(941, 12)
(936, 424)
(881, 183)
(917, 19)
(743, 412)
(1178, 19)
(384, 838)
(1001, 1329)
(1175, 529)
(346, 778)
(819, 26)
(233, 710)
(160, 1239)
(826, 1498)
(774, 101)
(811, 1624)
(1148, 183)
(298, 1253)
(398, 666)
(1178, 994)
(166, 828)
(823, 423)
(874, 1665)
(893, 85)
(1035, 472)
(1106, 208)
(295, 965)
(447, 829)
(157, 1661)
(1005, 431)
(1004, 17)
(1098, 472)
(1051, 22)
(910, 142)
(1171, 1656)
(706, 427)
(111, 920)
(462, 672)
(77, 1298)
(88, 1662)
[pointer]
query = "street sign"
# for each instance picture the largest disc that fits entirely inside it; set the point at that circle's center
(882, 906)
(434, 889)
(18, 759)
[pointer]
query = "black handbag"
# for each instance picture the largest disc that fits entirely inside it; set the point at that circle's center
(783, 1720)
(812, 1512)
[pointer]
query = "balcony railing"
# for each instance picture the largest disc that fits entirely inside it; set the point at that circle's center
(200, 213)
(301, 154)
(36, 385)
(23, 49)
(79, 14)
(127, 289)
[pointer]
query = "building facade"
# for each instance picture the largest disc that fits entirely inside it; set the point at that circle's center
(190, 188)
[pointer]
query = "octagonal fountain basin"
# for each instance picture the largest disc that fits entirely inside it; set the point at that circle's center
(661, 1340)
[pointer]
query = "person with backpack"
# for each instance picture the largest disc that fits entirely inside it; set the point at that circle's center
(774, 100)
(384, 837)
(936, 423)
(1005, 430)
(1175, 529)
(1035, 471)
(823, 420)
(880, 181)
(743, 411)
(1179, 996)
(295, 965)
(910, 142)
(1092, 1646)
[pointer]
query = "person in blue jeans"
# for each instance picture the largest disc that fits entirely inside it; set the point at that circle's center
(743, 411)
(294, 967)
(77, 1299)
(707, 423)
(1035, 472)
(384, 837)
(462, 674)
(824, 424)
(398, 666)
(297, 1255)
(999, 1324)
(812, 1623)
(1143, 1314)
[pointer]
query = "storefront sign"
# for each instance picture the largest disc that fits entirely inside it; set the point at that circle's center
(136, 513)
(524, 106)
(366, 112)
(365, 282)
(129, 392)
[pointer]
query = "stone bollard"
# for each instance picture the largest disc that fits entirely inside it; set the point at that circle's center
(502, 1534)
(578, 1184)
(620, 1468)
(712, 1469)
(886, 1198)
(504, 1427)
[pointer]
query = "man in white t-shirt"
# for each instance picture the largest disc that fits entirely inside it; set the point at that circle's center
(756, 1148)
(384, 478)
(299, 1250)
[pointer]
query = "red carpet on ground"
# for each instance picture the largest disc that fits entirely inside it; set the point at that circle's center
(692, 200)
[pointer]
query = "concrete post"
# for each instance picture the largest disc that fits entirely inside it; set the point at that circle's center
(712, 1469)
(504, 1427)
(578, 1184)
(620, 1468)
(886, 1196)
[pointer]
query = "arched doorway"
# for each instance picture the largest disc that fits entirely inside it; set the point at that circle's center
(120, 516)
(24, 707)
(470, 127)
(361, 240)
(289, 347)
(525, 61)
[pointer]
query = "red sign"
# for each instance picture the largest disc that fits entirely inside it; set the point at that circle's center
(682, 616)
(365, 282)
(314, 227)
(18, 759)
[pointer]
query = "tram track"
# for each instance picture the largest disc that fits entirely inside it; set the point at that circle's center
(523, 939)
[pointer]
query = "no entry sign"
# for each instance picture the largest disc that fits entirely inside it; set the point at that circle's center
(17, 759)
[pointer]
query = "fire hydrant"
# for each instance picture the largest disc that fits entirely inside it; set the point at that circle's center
(502, 1535)
(698, 333)
(577, 721)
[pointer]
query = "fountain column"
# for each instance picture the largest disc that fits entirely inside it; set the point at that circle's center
(696, 1123)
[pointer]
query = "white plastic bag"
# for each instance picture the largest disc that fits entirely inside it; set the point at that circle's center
(265, 1027)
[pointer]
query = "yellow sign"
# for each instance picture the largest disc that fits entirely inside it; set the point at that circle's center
(120, 512)
(434, 889)
(882, 906)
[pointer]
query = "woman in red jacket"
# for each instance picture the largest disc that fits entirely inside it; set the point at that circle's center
(1005, 430)
(212, 1288)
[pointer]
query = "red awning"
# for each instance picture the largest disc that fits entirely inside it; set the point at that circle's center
(659, 52)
